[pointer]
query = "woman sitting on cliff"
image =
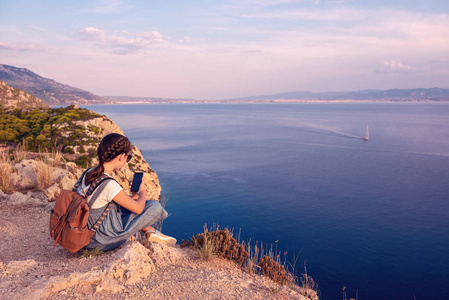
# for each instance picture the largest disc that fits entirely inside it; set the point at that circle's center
(127, 216)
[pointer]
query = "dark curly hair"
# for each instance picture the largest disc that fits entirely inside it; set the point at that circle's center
(111, 146)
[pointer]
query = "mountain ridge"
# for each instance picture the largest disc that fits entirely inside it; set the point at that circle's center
(54, 93)
(432, 94)
(48, 90)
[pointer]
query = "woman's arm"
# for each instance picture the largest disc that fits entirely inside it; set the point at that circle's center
(136, 206)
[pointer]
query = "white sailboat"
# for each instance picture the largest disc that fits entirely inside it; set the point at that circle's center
(366, 137)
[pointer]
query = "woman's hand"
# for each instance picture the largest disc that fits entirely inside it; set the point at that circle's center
(136, 203)
(142, 189)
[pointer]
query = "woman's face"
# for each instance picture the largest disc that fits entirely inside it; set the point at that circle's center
(124, 158)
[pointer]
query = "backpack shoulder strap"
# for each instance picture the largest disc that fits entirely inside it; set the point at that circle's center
(101, 186)
(96, 183)
(78, 182)
(96, 191)
(93, 185)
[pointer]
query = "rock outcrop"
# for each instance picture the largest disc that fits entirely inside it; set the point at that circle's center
(24, 182)
(31, 267)
(138, 163)
(15, 98)
(129, 265)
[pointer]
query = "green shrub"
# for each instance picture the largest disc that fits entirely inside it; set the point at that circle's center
(95, 129)
(83, 161)
(68, 150)
(41, 138)
(43, 127)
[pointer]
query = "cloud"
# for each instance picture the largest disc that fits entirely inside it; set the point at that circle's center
(335, 14)
(15, 47)
(280, 2)
(123, 41)
(341, 1)
(91, 33)
(271, 2)
(107, 7)
(393, 66)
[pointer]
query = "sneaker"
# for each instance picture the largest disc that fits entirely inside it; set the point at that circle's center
(157, 237)
(139, 235)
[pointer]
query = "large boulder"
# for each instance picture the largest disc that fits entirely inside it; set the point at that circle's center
(18, 198)
(24, 178)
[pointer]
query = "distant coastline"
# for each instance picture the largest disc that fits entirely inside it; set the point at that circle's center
(54, 93)
(280, 101)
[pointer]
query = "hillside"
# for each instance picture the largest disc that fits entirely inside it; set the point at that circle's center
(27, 125)
(48, 90)
(14, 98)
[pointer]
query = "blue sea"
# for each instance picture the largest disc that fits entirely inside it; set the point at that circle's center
(369, 216)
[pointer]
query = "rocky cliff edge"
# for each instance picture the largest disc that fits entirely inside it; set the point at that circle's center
(32, 267)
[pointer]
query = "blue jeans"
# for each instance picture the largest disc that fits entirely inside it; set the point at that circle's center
(120, 224)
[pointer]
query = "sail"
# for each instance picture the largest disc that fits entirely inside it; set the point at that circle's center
(366, 137)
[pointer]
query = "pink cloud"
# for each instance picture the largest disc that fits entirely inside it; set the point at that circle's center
(15, 47)
(393, 66)
(124, 41)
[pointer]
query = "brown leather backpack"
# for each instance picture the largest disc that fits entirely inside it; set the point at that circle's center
(68, 219)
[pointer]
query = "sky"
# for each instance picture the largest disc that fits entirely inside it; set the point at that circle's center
(228, 49)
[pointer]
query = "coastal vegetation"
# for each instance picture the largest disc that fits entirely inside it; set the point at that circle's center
(55, 129)
(45, 128)
(215, 242)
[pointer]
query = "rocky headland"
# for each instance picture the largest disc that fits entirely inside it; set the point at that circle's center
(32, 267)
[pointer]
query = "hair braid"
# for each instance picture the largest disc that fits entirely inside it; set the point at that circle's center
(109, 148)
(113, 150)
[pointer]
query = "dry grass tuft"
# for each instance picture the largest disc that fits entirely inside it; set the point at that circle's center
(216, 242)
(308, 285)
(252, 264)
(20, 152)
(205, 246)
(90, 253)
(268, 262)
(53, 158)
(5, 171)
(43, 174)
(57, 157)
